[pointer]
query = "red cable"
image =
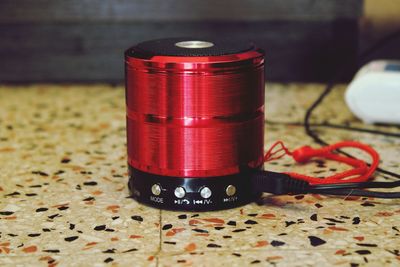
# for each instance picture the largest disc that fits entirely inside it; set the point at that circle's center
(361, 172)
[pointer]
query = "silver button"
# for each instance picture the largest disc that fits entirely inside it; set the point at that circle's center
(156, 189)
(180, 192)
(230, 190)
(194, 44)
(205, 192)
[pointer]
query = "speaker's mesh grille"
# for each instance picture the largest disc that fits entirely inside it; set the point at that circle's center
(167, 47)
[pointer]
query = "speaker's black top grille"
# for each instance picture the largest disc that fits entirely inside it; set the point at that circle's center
(168, 47)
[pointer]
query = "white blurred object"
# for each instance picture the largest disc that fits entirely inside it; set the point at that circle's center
(374, 93)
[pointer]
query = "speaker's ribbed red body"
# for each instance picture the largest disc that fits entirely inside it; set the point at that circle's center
(194, 112)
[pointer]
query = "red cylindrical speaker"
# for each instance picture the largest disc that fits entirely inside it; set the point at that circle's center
(195, 120)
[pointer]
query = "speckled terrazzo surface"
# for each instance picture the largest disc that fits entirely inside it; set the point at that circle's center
(64, 200)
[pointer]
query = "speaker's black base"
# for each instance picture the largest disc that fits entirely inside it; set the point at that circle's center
(191, 194)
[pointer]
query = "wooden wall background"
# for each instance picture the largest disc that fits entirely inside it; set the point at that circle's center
(380, 19)
(84, 40)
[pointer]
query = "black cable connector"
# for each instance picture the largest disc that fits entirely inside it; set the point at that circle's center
(278, 183)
